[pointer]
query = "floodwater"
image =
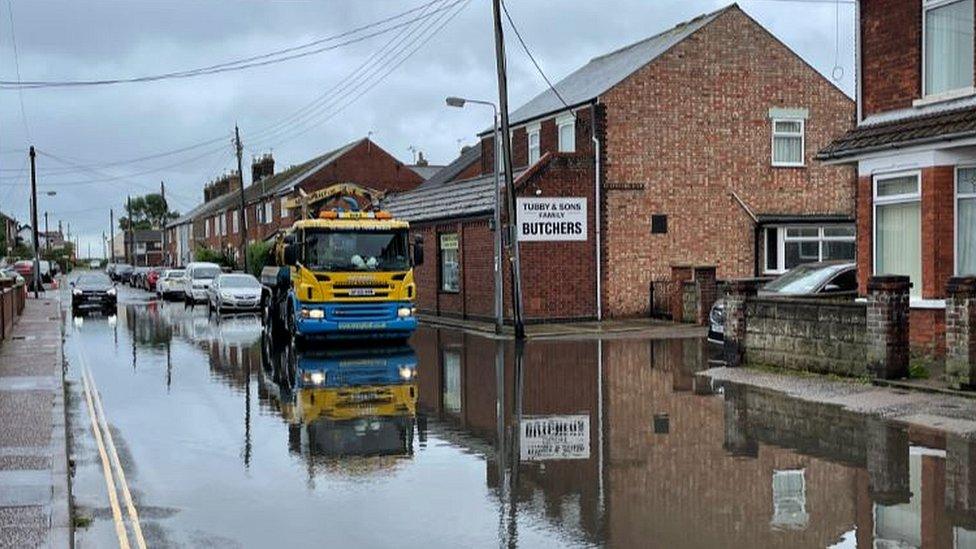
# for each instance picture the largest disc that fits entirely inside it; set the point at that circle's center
(231, 440)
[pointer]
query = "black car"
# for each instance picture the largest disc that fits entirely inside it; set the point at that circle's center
(122, 272)
(93, 291)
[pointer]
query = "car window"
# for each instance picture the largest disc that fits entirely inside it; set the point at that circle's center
(804, 279)
(844, 282)
(205, 272)
(239, 281)
(93, 279)
(174, 274)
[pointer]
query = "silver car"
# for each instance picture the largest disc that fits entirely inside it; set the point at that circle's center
(170, 284)
(197, 279)
(234, 292)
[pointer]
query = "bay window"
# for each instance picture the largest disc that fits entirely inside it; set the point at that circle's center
(788, 142)
(789, 246)
(947, 59)
(898, 227)
(450, 264)
(966, 221)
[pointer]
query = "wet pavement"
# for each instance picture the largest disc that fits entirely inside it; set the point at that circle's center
(229, 439)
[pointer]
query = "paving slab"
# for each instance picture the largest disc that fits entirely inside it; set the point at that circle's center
(34, 473)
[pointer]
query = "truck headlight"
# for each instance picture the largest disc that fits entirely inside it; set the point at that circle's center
(76, 291)
(111, 291)
(314, 378)
(313, 313)
(404, 312)
(407, 373)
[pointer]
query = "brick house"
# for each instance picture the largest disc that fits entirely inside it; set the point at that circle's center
(722, 176)
(913, 150)
(215, 223)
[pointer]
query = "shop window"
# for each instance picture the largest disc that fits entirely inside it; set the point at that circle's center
(947, 63)
(897, 227)
(450, 264)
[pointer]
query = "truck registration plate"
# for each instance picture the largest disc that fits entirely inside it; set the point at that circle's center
(362, 325)
(362, 292)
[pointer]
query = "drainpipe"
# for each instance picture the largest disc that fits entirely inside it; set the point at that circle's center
(596, 213)
(858, 80)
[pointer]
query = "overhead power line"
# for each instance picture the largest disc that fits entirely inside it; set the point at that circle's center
(538, 68)
(20, 93)
(278, 56)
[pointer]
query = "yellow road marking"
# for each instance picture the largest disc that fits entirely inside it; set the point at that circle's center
(133, 514)
(106, 470)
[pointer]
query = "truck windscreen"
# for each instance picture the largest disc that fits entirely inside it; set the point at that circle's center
(356, 250)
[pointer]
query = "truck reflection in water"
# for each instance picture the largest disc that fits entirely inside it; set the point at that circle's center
(345, 401)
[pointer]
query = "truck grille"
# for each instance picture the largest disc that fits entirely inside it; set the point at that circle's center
(362, 313)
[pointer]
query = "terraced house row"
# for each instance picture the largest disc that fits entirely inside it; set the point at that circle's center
(724, 176)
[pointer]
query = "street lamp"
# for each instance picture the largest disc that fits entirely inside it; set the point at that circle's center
(459, 102)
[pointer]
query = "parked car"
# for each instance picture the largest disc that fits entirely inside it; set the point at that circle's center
(234, 292)
(197, 279)
(94, 264)
(93, 291)
(110, 270)
(825, 279)
(170, 284)
(150, 280)
(25, 267)
(123, 272)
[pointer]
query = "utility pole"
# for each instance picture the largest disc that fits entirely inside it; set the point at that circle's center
(104, 255)
(240, 174)
(162, 193)
(37, 259)
(129, 256)
(507, 165)
(47, 235)
(111, 231)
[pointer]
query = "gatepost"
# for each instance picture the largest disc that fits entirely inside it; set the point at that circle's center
(960, 366)
(887, 326)
(735, 318)
(707, 283)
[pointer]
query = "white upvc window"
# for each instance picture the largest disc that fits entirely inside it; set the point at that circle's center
(236, 221)
(965, 221)
(223, 224)
(788, 246)
(898, 226)
(268, 211)
(789, 500)
(566, 128)
(947, 48)
(206, 227)
(283, 207)
(532, 139)
(788, 142)
(258, 214)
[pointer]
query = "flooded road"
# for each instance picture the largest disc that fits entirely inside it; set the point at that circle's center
(229, 439)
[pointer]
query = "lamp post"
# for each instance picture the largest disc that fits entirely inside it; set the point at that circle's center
(459, 102)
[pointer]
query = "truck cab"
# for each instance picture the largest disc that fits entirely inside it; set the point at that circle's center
(344, 275)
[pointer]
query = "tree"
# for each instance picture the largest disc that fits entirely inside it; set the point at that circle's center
(148, 212)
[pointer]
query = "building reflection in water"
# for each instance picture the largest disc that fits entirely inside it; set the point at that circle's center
(618, 442)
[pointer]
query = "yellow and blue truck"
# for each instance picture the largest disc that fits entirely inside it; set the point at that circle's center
(344, 271)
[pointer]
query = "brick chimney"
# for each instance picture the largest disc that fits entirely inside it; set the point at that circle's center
(421, 161)
(221, 186)
(262, 167)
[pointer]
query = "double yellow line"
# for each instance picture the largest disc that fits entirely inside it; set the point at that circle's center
(106, 448)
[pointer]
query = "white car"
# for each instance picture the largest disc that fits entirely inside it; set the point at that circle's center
(170, 284)
(197, 280)
(235, 292)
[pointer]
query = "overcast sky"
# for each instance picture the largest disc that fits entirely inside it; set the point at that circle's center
(97, 126)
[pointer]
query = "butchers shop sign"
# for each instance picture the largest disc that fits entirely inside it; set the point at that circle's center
(551, 219)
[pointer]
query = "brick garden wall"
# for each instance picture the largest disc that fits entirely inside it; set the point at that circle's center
(807, 334)
(667, 149)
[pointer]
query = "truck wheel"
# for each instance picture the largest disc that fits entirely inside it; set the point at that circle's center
(296, 338)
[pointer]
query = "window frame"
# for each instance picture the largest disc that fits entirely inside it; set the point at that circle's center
(927, 6)
(904, 198)
(531, 131)
(821, 238)
(268, 211)
(236, 221)
(283, 209)
(956, 197)
(440, 261)
(563, 121)
(802, 134)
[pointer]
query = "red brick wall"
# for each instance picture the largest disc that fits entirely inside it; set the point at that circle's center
(675, 149)
(548, 141)
(927, 331)
(550, 292)
(865, 232)
(938, 234)
(891, 54)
